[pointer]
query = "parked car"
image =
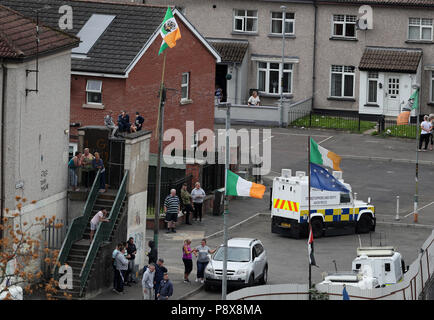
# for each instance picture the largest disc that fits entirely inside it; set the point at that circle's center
(247, 264)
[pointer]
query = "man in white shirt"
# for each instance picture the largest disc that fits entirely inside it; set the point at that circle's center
(254, 99)
(426, 128)
(99, 217)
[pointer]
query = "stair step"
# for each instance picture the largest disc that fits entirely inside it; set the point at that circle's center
(77, 258)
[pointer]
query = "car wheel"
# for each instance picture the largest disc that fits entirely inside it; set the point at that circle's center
(317, 228)
(264, 277)
(251, 282)
(364, 224)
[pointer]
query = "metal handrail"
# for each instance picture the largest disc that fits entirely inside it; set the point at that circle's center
(103, 232)
(78, 226)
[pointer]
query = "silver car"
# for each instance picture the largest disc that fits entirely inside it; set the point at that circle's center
(247, 264)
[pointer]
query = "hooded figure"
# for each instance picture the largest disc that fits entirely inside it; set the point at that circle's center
(152, 255)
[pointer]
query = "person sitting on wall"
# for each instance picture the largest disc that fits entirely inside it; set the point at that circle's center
(139, 121)
(124, 122)
(109, 123)
(254, 99)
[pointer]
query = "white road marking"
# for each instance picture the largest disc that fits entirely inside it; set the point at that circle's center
(419, 209)
(300, 134)
(325, 139)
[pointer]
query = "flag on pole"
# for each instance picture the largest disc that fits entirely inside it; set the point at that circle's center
(320, 155)
(413, 103)
(310, 247)
(237, 186)
(345, 295)
(321, 179)
(169, 31)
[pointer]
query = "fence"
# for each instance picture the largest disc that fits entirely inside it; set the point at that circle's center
(299, 109)
(213, 177)
(52, 239)
(412, 287)
(390, 128)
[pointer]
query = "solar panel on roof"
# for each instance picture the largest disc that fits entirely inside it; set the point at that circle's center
(92, 31)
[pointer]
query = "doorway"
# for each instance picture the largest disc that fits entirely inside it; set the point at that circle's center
(392, 100)
(220, 80)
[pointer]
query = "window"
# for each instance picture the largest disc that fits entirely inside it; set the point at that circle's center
(93, 92)
(372, 87)
(185, 92)
(342, 81)
(277, 19)
(259, 249)
(246, 20)
(432, 86)
(420, 29)
(269, 75)
(387, 267)
(344, 26)
(345, 197)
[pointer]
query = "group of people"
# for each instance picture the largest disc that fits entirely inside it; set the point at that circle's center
(123, 123)
(189, 203)
(201, 252)
(426, 134)
(89, 164)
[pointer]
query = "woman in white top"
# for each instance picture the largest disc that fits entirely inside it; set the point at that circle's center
(254, 99)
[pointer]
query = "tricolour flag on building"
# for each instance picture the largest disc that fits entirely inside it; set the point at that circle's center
(320, 155)
(310, 247)
(169, 31)
(237, 186)
(413, 103)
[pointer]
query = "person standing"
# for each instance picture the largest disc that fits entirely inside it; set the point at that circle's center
(98, 164)
(152, 254)
(187, 208)
(431, 121)
(109, 123)
(73, 166)
(171, 209)
(165, 288)
(132, 251)
(114, 253)
(254, 99)
(139, 121)
(160, 270)
(121, 267)
(148, 282)
(426, 128)
(87, 169)
(201, 252)
(95, 221)
(187, 259)
(198, 195)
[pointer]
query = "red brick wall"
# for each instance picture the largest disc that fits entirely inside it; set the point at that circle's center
(140, 91)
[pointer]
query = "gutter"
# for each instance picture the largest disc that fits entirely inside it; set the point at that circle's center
(314, 52)
(2, 158)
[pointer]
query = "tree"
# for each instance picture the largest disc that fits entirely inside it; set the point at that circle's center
(21, 254)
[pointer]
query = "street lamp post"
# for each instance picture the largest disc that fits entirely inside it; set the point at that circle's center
(283, 63)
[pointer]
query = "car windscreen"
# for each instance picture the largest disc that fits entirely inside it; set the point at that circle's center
(235, 254)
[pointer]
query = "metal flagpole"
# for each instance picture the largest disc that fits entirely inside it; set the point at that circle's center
(416, 195)
(309, 225)
(160, 125)
(226, 205)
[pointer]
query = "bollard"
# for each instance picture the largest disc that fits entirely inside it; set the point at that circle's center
(397, 208)
(415, 216)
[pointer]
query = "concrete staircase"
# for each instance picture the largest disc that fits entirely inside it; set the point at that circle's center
(79, 249)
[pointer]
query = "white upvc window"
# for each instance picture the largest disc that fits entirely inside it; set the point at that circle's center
(432, 86)
(280, 20)
(420, 29)
(342, 81)
(269, 75)
(185, 86)
(372, 87)
(245, 20)
(94, 92)
(344, 26)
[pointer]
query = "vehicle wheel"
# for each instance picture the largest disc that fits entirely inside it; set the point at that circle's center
(317, 228)
(264, 277)
(364, 225)
(251, 281)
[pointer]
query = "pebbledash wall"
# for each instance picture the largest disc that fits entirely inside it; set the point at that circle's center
(36, 136)
(139, 92)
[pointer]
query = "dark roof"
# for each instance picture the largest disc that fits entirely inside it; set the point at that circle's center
(231, 51)
(118, 45)
(411, 3)
(18, 37)
(390, 59)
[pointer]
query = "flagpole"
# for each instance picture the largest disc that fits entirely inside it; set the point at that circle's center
(416, 195)
(159, 134)
(309, 225)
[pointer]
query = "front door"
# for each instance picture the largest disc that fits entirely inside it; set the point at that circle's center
(392, 102)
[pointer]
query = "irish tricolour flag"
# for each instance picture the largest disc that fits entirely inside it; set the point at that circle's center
(169, 31)
(322, 156)
(237, 186)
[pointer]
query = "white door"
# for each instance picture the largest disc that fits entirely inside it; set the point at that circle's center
(392, 102)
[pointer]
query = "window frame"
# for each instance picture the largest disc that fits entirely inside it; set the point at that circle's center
(421, 27)
(244, 20)
(373, 79)
(344, 26)
(283, 20)
(185, 85)
(432, 87)
(93, 91)
(343, 73)
(267, 77)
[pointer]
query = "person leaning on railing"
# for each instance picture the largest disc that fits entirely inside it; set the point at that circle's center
(98, 164)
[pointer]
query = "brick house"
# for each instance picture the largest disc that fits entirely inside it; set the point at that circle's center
(117, 66)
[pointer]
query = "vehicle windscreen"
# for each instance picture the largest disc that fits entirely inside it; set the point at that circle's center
(234, 254)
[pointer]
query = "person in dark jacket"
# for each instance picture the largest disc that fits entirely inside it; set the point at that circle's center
(124, 122)
(131, 250)
(160, 270)
(139, 121)
(166, 288)
(152, 254)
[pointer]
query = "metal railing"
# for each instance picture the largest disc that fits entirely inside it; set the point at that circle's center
(78, 226)
(103, 233)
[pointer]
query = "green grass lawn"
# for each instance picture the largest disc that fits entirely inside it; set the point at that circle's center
(329, 122)
(404, 131)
